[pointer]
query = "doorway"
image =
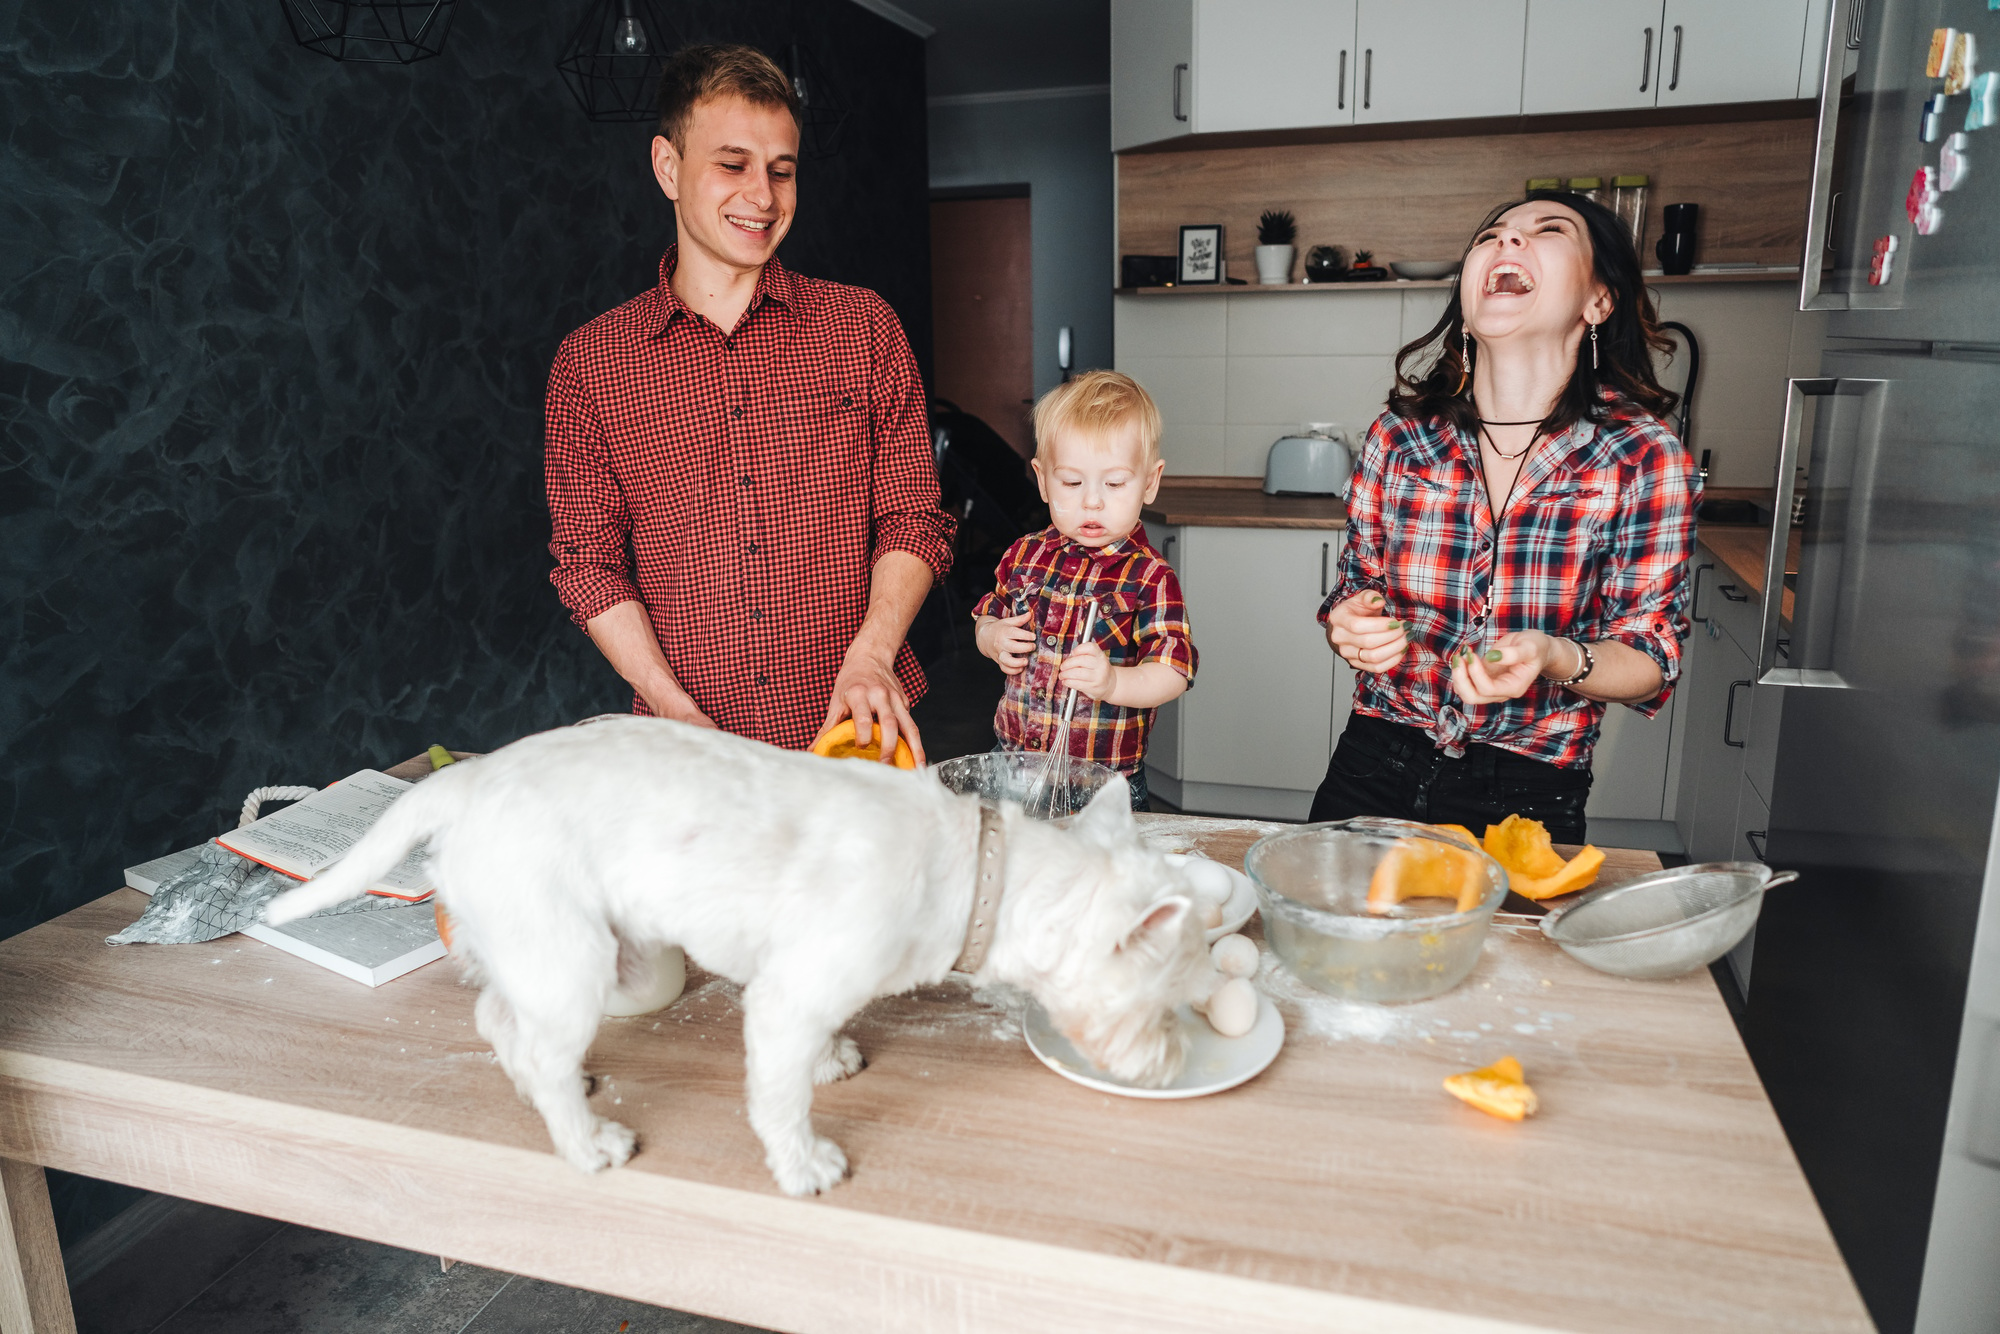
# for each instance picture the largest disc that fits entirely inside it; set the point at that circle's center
(982, 307)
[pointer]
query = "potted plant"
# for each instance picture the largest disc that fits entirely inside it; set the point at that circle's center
(1276, 232)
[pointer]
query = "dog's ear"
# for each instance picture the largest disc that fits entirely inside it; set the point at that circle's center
(1108, 817)
(1158, 928)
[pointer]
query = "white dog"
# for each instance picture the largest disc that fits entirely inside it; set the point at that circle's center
(816, 884)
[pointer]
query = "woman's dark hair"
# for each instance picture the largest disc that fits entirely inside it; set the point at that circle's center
(1432, 379)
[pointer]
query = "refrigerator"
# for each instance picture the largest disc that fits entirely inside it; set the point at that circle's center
(1874, 1014)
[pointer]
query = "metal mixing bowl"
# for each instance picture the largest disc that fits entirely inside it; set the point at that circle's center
(1667, 923)
(1312, 884)
(1013, 775)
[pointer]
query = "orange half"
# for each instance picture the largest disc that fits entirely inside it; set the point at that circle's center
(837, 743)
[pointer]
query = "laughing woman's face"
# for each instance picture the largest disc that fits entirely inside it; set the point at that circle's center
(1529, 276)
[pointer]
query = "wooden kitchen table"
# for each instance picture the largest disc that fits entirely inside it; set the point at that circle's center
(1340, 1190)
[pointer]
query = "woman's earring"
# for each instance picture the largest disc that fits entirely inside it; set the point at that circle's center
(1593, 347)
(1464, 359)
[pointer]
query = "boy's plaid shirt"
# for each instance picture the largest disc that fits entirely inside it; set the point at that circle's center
(1594, 546)
(1141, 618)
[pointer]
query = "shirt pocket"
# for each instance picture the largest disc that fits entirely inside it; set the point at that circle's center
(833, 447)
(1425, 529)
(1570, 515)
(1117, 629)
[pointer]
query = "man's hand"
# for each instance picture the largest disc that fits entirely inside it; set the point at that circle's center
(1007, 640)
(1089, 672)
(1510, 666)
(867, 691)
(680, 707)
(624, 634)
(1361, 634)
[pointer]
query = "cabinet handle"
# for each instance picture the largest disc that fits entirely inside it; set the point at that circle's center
(1367, 78)
(1820, 237)
(1342, 104)
(1325, 551)
(1675, 82)
(1729, 714)
(1694, 604)
(1169, 553)
(1646, 62)
(1731, 593)
(1755, 838)
(1179, 70)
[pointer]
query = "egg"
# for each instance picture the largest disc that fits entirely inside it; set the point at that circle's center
(1210, 880)
(1210, 914)
(1234, 956)
(1232, 1009)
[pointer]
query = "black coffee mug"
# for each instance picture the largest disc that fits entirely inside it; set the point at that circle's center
(1676, 244)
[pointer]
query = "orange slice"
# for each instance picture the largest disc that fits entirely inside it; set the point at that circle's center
(1578, 873)
(1535, 870)
(837, 743)
(1498, 1090)
(1458, 831)
(1421, 868)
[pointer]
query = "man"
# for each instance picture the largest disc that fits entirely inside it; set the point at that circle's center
(739, 461)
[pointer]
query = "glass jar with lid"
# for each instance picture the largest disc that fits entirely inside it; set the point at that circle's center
(1628, 201)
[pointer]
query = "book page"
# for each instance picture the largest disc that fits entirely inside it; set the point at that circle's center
(305, 838)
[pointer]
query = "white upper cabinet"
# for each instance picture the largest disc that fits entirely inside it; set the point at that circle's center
(1729, 51)
(1591, 55)
(1439, 59)
(1152, 71)
(1273, 64)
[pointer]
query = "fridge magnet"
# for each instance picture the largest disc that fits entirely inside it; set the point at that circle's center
(1942, 40)
(1984, 108)
(1883, 263)
(1952, 162)
(1921, 203)
(1960, 63)
(1930, 123)
(1201, 254)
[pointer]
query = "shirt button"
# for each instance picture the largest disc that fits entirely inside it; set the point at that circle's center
(846, 402)
(756, 613)
(750, 547)
(762, 679)
(1050, 641)
(736, 412)
(744, 479)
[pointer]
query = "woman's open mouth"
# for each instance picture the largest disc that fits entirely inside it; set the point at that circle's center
(1508, 280)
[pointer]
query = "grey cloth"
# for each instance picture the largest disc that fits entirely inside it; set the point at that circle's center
(220, 895)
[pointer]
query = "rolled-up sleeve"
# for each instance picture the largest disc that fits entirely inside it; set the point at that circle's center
(907, 516)
(591, 528)
(1361, 546)
(1642, 589)
(1160, 628)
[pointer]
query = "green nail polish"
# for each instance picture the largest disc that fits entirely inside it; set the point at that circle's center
(1493, 655)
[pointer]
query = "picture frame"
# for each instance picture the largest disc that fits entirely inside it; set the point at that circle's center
(1200, 254)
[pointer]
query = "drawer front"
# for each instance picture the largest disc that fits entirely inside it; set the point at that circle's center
(1729, 601)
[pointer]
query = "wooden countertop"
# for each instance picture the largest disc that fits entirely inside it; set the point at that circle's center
(1341, 1189)
(1238, 502)
(1742, 549)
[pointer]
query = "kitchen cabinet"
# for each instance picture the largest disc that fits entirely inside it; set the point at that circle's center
(1731, 735)
(1152, 64)
(1727, 51)
(1439, 59)
(1274, 64)
(1753, 820)
(1629, 767)
(1591, 55)
(1253, 735)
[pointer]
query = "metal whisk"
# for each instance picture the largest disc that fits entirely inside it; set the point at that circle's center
(1050, 795)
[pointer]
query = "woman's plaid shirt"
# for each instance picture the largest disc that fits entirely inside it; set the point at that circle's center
(1594, 546)
(1141, 618)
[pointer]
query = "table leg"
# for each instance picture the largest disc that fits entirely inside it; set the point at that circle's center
(34, 1292)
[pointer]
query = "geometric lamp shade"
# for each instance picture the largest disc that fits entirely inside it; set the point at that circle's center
(822, 110)
(380, 32)
(612, 59)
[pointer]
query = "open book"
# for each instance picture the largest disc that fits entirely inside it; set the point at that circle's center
(307, 837)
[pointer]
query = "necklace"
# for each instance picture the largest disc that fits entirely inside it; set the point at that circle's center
(1494, 445)
(1536, 422)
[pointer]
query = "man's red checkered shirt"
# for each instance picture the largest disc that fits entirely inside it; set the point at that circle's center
(1141, 618)
(1594, 545)
(742, 486)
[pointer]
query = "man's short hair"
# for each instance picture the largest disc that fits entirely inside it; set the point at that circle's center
(695, 74)
(1097, 404)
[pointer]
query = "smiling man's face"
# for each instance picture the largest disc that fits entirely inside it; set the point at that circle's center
(734, 186)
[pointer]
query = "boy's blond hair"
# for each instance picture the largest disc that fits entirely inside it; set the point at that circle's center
(1097, 403)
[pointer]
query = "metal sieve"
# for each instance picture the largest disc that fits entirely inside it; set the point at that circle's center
(1667, 923)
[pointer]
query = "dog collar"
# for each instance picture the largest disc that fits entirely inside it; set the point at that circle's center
(989, 877)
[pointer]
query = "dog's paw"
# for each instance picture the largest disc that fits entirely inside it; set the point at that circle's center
(609, 1145)
(820, 1170)
(841, 1059)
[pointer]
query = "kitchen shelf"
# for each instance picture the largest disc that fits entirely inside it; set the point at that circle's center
(1781, 275)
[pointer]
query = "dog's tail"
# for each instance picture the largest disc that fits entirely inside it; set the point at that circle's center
(411, 819)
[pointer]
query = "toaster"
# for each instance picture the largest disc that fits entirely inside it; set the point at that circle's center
(1316, 463)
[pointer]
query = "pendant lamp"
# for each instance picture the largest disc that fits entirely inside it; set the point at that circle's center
(821, 113)
(611, 61)
(376, 32)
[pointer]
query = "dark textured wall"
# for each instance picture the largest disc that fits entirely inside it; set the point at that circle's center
(273, 338)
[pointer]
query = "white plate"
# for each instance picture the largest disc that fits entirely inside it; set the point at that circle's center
(1238, 908)
(1214, 1062)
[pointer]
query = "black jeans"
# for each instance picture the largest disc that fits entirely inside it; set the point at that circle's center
(1383, 768)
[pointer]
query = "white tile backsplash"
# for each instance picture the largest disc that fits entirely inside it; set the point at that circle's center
(1189, 390)
(1422, 309)
(1186, 326)
(1291, 390)
(1285, 324)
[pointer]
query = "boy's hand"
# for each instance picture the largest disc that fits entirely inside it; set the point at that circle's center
(1361, 633)
(1006, 640)
(1089, 672)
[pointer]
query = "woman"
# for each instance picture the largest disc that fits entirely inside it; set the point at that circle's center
(1517, 536)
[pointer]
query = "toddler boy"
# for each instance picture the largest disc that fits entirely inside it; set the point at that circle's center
(1097, 461)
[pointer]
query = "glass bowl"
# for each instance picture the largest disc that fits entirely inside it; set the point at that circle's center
(1312, 884)
(1007, 775)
